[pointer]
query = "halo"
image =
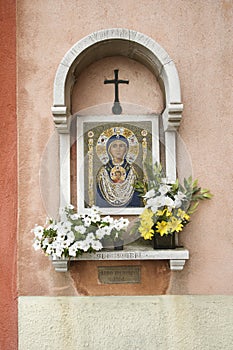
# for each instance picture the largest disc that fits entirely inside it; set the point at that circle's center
(117, 130)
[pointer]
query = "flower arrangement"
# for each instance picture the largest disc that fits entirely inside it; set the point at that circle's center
(77, 233)
(167, 206)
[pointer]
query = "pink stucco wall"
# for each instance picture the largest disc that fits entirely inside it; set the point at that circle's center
(8, 177)
(198, 37)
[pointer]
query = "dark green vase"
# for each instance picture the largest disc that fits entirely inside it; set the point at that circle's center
(163, 242)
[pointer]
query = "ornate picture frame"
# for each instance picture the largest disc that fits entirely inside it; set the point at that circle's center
(112, 152)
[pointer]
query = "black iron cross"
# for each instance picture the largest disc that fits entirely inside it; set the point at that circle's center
(116, 109)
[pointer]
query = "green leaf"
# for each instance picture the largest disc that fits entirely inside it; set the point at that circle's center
(195, 183)
(193, 208)
(208, 195)
(186, 184)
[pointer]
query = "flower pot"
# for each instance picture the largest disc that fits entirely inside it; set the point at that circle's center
(119, 244)
(163, 242)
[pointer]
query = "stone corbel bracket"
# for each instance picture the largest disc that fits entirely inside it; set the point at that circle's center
(60, 119)
(172, 116)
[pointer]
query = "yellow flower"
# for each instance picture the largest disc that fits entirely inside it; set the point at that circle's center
(162, 227)
(147, 234)
(183, 215)
(168, 213)
(146, 224)
(146, 230)
(146, 214)
(175, 225)
(162, 212)
(180, 213)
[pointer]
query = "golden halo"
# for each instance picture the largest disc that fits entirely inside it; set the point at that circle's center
(101, 148)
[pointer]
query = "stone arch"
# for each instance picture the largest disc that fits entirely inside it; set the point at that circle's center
(112, 42)
(115, 42)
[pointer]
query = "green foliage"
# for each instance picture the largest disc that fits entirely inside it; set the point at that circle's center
(156, 176)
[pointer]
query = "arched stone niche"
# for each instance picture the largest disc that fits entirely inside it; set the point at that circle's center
(106, 43)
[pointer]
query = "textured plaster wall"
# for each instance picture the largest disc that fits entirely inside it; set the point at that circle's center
(198, 37)
(8, 177)
(143, 89)
(119, 323)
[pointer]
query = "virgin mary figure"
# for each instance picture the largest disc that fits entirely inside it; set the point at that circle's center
(116, 178)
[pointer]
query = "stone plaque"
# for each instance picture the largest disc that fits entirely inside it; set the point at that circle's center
(119, 274)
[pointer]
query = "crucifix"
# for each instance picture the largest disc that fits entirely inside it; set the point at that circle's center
(116, 109)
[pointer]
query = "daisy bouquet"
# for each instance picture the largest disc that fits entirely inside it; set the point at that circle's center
(76, 233)
(168, 206)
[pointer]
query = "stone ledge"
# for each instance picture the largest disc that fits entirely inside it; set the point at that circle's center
(177, 257)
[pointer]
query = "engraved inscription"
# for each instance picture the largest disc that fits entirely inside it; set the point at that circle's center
(123, 255)
(119, 274)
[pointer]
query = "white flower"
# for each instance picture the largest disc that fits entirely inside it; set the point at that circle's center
(78, 244)
(74, 217)
(151, 202)
(180, 195)
(103, 231)
(95, 217)
(95, 209)
(59, 252)
(70, 236)
(99, 233)
(84, 245)
(90, 237)
(45, 242)
(61, 236)
(125, 222)
(49, 250)
(66, 225)
(55, 244)
(62, 231)
(168, 202)
(87, 221)
(58, 226)
(150, 194)
(108, 219)
(118, 225)
(54, 257)
(163, 189)
(107, 230)
(65, 244)
(36, 245)
(155, 203)
(73, 250)
(96, 245)
(38, 231)
(70, 207)
(177, 202)
(80, 229)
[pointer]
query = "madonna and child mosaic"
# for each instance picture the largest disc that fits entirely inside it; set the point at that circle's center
(111, 158)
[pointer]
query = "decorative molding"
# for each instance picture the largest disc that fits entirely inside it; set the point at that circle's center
(110, 42)
(177, 257)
